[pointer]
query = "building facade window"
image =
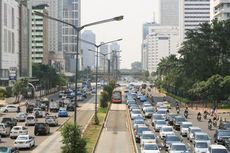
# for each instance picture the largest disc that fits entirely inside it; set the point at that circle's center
(5, 14)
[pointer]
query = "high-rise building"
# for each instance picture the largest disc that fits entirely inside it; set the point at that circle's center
(162, 41)
(71, 14)
(9, 41)
(39, 35)
(192, 13)
(88, 56)
(220, 9)
(104, 49)
(25, 65)
(115, 58)
(54, 34)
(169, 12)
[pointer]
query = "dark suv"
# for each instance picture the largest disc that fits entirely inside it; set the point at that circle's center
(224, 125)
(9, 121)
(221, 135)
(41, 129)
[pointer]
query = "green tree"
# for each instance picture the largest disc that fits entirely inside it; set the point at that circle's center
(136, 67)
(73, 142)
(20, 88)
(104, 99)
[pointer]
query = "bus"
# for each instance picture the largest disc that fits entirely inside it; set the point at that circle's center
(117, 95)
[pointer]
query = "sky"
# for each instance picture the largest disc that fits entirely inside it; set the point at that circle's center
(136, 12)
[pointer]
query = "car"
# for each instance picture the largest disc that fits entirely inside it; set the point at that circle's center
(148, 112)
(24, 141)
(61, 93)
(138, 132)
(169, 118)
(8, 150)
(70, 107)
(30, 120)
(138, 118)
(41, 129)
(137, 122)
(201, 137)
(158, 124)
(178, 121)
(134, 113)
(146, 105)
(156, 117)
(9, 108)
(224, 125)
(220, 135)
(150, 148)
(214, 148)
(62, 112)
(166, 130)
(200, 147)
(4, 130)
(130, 102)
(147, 137)
(29, 108)
(166, 104)
(18, 130)
(226, 143)
(191, 131)
(184, 128)
(9, 121)
(37, 112)
(21, 116)
(134, 106)
(53, 106)
(51, 120)
(162, 111)
(143, 98)
(178, 147)
(169, 139)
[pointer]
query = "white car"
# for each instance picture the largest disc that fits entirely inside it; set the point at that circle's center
(184, 128)
(24, 141)
(147, 137)
(214, 148)
(166, 130)
(51, 120)
(18, 130)
(200, 147)
(158, 124)
(178, 148)
(135, 113)
(21, 116)
(30, 120)
(4, 130)
(201, 137)
(150, 148)
(162, 111)
(148, 112)
(9, 108)
(191, 131)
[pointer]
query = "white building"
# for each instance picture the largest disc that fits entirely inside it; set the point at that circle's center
(88, 56)
(191, 14)
(162, 41)
(9, 40)
(169, 12)
(220, 9)
(144, 55)
(115, 57)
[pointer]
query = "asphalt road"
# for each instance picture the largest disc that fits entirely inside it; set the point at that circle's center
(116, 137)
(157, 97)
(82, 118)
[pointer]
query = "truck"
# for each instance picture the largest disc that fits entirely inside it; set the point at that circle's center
(54, 106)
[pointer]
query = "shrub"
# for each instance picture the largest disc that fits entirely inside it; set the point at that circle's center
(104, 99)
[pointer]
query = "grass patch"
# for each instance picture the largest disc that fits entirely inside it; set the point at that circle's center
(92, 131)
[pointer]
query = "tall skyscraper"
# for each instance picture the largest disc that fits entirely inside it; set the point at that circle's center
(191, 14)
(220, 9)
(115, 56)
(9, 41)
(104, 49)
(169, 12)
(39, 35)
(88, 56)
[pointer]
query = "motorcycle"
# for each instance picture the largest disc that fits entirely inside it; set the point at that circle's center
(209, 125)
(215, 123)
(205, 115)
(178, 111)
(199, 117)
(186, 115)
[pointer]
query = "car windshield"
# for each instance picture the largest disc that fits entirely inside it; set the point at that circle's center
(30, 118)
(1, 126)
(161, 112)
(224, 133)
(202, 137)
(140, 130)
(139, 122)
(150, 147)
(180, 119)
(160, 122)
(49, 117)
(227, 125)
(136, 112)
(3, 149)
(167, 129)
(195, 130)
(21, 138)
(148, 136)
(201, 145)
(179, 147)
(186, 125)
(149, 110)
(16, 128)
(175, 138)
(158, 117)
(6, 119)
(219, 151)
(40, 125)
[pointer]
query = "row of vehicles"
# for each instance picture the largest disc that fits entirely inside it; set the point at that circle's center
(168, 125)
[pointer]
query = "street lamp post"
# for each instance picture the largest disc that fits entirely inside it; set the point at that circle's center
(78, 30)
(97, 51)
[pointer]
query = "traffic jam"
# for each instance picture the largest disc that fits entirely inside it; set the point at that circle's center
(160, 127)
(25, 127)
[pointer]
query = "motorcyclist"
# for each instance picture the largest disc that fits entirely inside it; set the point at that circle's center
(198, 116)
(209, 121)
(186, 110)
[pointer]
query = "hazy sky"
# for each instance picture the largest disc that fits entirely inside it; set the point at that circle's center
(136, 12)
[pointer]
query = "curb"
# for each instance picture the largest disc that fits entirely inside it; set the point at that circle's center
(102, 127)
(132, 133)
